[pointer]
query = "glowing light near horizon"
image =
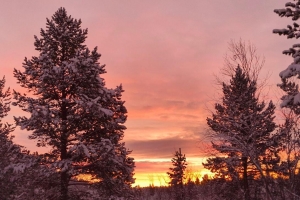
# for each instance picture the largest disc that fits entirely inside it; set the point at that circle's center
(161, 178)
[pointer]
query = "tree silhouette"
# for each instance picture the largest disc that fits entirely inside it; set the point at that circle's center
(177, 174)
(242, 130)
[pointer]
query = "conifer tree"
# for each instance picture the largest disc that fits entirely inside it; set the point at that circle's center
(72, 111)
(177, 174)
(291, 98)
(8, 151)
(5, 128)
(15, 159)
(242, 131)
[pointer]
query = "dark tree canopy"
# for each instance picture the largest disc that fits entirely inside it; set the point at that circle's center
(177, 174)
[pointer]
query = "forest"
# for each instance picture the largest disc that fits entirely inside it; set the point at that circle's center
(69, 108)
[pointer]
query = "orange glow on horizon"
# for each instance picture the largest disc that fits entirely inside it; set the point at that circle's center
(161, 178)
(154, 171)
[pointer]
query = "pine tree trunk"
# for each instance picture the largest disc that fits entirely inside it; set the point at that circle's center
(245, 178)
(64, 186)
(64, 175)
(64, 179)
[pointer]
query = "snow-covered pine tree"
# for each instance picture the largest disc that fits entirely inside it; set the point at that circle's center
(5, 128)
(242, 130)
(176, 174)
(72, 111)
(15, 158)
(8, 150)
(291, 99)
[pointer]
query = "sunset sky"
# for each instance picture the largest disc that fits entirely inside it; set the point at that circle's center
(165, 54)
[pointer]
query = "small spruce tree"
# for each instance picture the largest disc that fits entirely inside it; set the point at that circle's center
(177, 174)
(9, 152)
(18, 169)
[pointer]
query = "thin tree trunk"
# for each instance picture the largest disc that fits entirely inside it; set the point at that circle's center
(245, 178)
(64, 179)
(64, 186)
(63, 174)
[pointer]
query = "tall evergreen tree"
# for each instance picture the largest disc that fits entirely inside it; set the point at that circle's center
(177, 174)
(291, 99)
(72, 111)
(242, 131)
